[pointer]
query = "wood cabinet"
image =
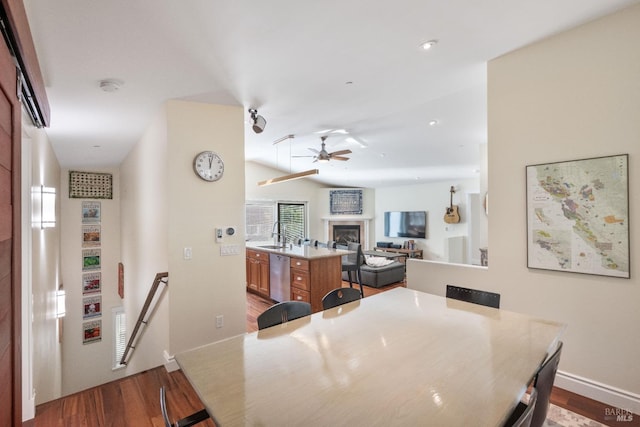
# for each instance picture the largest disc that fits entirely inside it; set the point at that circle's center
(258, 272)
(312, 279)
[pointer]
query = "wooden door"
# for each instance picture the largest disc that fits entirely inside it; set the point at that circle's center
(10, 269)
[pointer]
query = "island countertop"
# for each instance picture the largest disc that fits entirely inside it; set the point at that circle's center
(305, 252)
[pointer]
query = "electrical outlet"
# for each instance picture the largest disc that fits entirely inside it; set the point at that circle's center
(219, 321)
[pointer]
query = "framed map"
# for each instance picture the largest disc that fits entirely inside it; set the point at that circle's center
(578, 216)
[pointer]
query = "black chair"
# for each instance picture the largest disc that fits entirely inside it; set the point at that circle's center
(521, 417)
(543, 383)
(489, 299)
(195, 418)
(283, 312)
(339, 296)
(352, 262)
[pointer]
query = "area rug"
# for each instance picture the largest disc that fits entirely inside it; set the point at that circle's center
(560, 417)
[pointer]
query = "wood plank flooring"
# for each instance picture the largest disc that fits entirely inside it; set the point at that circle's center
(135, 400)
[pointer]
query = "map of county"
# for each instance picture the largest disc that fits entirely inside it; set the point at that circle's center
(577, 215)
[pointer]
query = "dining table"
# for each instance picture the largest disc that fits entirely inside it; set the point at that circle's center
(398, 358)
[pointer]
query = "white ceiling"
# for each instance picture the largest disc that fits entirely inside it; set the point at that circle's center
(306, 66)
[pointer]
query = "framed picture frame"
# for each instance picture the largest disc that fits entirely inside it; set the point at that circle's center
(91, 212)
(91, 283)
(345, 202)
(578, 216)
(92, 306)
(90, 259)
(91, 331)
(90, 185)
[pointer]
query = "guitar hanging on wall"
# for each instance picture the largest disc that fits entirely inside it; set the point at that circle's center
(452, 216)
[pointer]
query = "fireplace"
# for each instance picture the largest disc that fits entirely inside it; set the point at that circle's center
(344, 230)
(344, 234)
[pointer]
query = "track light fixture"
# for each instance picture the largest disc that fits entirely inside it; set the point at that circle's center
(259, 122)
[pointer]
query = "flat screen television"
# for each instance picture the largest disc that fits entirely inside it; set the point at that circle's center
(405, 224)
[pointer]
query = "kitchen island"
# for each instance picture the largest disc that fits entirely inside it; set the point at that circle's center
(311, 273)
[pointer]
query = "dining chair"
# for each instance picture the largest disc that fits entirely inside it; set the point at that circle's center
(352, 262)
(195, 418)
(340, 296)
(543, 383)
(523, 414)
(489, 299)
(283, 312)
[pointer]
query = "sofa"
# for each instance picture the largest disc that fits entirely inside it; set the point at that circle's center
(379, 276)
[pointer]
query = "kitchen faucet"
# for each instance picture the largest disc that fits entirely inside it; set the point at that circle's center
(276, 235)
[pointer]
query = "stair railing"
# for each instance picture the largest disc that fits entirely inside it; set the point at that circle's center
(160, 278)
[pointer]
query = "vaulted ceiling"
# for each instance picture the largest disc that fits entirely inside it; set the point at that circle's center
(354, 67)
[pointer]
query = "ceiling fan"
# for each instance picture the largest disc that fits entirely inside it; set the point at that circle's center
(324, 156)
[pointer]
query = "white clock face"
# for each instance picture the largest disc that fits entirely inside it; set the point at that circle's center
(208, 166)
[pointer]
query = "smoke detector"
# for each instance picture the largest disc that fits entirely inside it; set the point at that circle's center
(111, 85)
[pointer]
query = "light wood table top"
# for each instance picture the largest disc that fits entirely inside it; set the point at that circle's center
(400, 358)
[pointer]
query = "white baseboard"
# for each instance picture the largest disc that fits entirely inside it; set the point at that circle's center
(615, 397)
(170, 363)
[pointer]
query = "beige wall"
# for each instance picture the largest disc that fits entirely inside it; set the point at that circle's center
(575, 95)
(86, 365)
(144, 236)
(41, 350)
(433, 198)
(209, 284)
(300, 190)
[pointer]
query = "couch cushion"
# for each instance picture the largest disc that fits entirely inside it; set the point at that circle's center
(377, 261)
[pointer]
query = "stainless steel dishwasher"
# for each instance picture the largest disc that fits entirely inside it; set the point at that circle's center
(279, 277)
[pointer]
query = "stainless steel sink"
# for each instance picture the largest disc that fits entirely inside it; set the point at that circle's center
(272, 246)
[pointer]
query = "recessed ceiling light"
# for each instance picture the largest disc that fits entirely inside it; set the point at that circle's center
(429, 44)
(433, 122)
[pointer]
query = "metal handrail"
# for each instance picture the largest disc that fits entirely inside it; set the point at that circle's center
(160, 278)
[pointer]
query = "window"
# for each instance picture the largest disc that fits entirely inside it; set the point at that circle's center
(261, 216)
(293, 215)
(119, 336)
(260, 219)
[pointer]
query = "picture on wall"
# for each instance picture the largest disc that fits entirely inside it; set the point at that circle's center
(92, 306)
(578, 216)
(90, 185)
(90, 212)
(91, 331)
(91, 283)
(90, 259)
(90, 236)
(345, 202)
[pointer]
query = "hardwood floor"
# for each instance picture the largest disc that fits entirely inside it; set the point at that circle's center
(135, 400)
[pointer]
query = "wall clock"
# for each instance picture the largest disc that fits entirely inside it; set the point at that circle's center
(208, 166)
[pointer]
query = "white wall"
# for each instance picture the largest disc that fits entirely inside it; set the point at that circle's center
(300, 190)
(86, 365)
(433, 198)
(144, 235)
(209, 284)
(41, 351)
(575, 95)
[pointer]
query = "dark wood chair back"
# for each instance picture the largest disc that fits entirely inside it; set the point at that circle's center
(340, 296)
(283, 312)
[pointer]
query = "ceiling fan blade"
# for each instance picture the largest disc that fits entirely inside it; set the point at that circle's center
(339, 153)
(313, 150)
(339, 158)
(302, 156)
